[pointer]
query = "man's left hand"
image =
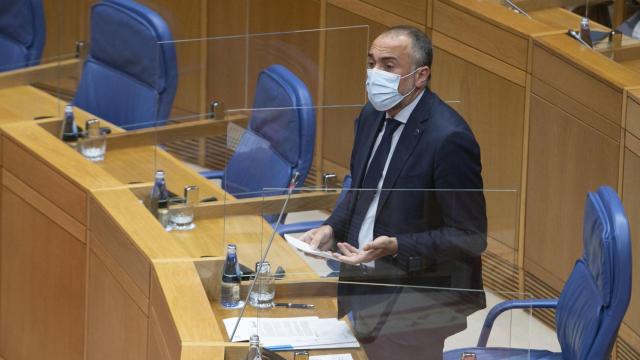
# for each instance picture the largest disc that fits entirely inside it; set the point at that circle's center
(381, 246)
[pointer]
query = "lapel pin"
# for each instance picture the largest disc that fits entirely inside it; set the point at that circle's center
(417, 132)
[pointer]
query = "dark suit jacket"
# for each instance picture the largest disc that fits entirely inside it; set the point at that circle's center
(441, 232)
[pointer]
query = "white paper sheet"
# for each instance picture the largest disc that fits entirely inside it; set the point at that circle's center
(294, 333)
(306, 248)
(331, 357)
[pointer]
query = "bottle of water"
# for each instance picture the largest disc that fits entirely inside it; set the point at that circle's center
(159, 195)
(230, 285)
(69, 129)
(254, 348)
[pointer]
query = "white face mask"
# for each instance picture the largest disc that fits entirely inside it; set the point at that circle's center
(382, 88)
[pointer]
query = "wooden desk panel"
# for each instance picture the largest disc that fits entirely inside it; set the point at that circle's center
(117, 326)
(475, 32)
(494, 108)
(598, 96)
(43, 304)
(633, 113)
(567, 158)
(25, 103)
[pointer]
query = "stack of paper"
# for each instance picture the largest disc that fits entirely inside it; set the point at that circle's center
(294, 333)
(306, 248)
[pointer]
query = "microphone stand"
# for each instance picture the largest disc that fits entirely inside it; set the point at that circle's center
(292, 186)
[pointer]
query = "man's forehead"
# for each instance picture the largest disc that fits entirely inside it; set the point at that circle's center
(390, 45)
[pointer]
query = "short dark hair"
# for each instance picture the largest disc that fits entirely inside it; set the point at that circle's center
(420, 44)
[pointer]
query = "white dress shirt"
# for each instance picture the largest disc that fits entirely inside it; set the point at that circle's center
(366, 230)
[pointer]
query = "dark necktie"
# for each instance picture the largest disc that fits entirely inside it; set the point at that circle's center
(376, 166)
(371, 179)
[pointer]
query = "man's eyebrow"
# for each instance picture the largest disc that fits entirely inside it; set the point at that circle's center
(384, 58)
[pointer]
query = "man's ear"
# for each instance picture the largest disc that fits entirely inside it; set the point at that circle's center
(422, 79)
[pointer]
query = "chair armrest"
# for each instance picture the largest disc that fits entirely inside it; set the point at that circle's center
(510, 305)
(298, 227)
(212, 174)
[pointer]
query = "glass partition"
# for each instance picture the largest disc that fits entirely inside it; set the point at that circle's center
(382, 321)
(225, 76)
(455, 255)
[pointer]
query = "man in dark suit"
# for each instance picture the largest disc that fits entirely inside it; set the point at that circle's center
(426, 243)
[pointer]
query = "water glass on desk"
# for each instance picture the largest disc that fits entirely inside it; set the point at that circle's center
(182, 210)
(264, 290)
(94, 143)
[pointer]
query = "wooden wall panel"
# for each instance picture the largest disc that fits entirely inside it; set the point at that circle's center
(226, 59)
(631, 201)
(66, 22)
(185, 21)
(480, 34)
(117, 327)
(337, 124)
(494, 108)
(567, 158)
(43, 286)
(415, 10)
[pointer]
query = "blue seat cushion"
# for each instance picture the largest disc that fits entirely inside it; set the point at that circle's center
(13, 55)
(256, 166)
(503, 354)
(137, 101)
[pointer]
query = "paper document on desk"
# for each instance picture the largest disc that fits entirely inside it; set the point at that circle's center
(306, 248)
(332, 357)
(294, 333)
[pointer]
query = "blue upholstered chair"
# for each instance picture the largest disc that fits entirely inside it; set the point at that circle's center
(22, 33)
(129, 78)
(278, 141)
(594, 298)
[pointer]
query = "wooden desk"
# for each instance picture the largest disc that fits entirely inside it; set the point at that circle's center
(85, 263)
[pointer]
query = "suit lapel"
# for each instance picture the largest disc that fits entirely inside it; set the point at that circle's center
(409, 138)
(370, 134)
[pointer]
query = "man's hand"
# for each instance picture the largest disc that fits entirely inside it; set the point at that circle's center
(320, 238)
(381, 246)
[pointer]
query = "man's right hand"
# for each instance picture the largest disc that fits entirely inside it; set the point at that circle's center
(320, 238)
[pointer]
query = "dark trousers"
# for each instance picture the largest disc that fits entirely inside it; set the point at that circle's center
(406, 322)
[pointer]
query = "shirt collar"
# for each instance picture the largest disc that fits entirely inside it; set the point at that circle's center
(403, 115)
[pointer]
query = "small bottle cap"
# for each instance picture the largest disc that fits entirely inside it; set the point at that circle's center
(231, 248)
(159, 174)
(254, 339)
(68, 108)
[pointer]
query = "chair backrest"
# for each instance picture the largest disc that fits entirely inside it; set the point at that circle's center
(130, 75)
(279, 139)
(596, 295)
(22, 33)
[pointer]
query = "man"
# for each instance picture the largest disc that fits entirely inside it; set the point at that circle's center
(407, 138)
